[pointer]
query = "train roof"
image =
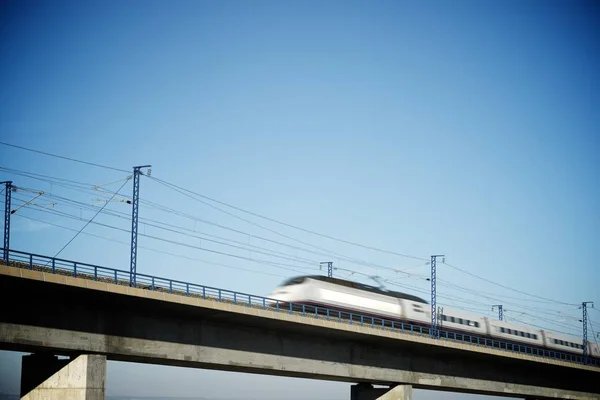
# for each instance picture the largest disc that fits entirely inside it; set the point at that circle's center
(356, 285)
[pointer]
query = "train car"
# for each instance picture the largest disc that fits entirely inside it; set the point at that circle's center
(416, 312)
(462, 321)
(514, 333)
(343, 295)
(561, 342)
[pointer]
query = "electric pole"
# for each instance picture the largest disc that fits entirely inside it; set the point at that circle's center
(584, 307)
(499, 310)
(434, 330)
(329, 268)
(7, 201)
(134, 222)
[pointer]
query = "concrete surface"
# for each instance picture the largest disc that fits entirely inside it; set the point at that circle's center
(83, 378)
(368, 392)
(182, 331)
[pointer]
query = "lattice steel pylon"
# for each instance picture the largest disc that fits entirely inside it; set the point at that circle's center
(7, 205)
(500, 315)
(134, 222)
(434, 323)
(329, 268)
(584, 307)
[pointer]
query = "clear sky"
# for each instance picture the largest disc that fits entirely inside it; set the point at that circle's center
(463, 128)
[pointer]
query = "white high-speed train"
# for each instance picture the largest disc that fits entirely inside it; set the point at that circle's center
(358, 298)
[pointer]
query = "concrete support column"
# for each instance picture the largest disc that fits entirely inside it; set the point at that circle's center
(44, 376)
(364, 391)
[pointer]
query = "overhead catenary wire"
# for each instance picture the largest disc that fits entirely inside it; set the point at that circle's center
(189, 193)
(64, 158)
(84, 187)
(349, 259)
(151, 248)
(506, 287)
(259, 261)
(181, 189)
(87, 223)
(251, 248)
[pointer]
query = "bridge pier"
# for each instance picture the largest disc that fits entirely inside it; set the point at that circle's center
(44, 376)
(365, 391)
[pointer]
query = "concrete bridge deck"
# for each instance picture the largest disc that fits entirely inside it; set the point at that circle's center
(80, 316)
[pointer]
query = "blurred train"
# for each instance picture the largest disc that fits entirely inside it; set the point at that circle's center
(358, 298)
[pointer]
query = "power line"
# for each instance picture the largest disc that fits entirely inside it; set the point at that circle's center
(64, 158)
(353, 260)
(87, 223)
(180, 189)
(506, 287)
(166, 227)
(70, 185)
(187, 192)
(259, 261)
(41, 177)
(152, 249)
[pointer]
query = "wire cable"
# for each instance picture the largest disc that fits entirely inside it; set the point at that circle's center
(150, 248)
(187, 192)
(64, 158)
(259, 261)
(506, 287)
(87, 223)
(180, 189)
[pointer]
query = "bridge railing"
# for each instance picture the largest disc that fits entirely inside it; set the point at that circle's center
(75, 269)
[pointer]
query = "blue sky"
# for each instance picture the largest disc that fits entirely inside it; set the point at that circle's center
(464, 128)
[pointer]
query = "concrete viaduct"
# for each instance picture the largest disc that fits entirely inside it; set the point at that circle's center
(91, 322)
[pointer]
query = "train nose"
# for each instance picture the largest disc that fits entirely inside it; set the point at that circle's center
(277, 298)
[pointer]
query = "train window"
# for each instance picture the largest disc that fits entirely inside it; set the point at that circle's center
(293, 281)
